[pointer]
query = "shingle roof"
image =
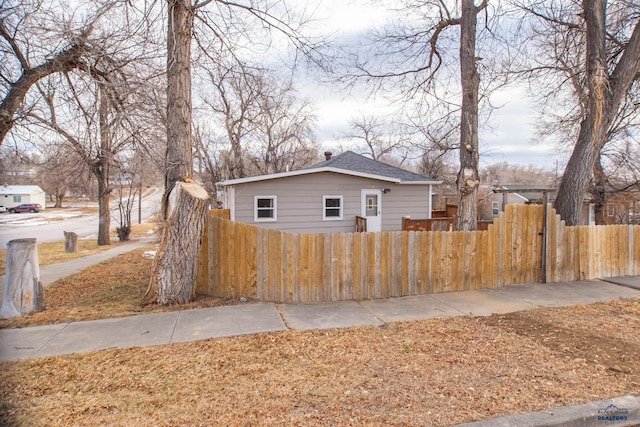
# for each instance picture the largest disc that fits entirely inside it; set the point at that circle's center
(347, 163)
(355, 162)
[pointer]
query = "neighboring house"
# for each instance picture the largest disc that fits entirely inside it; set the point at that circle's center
(497, 197)
(328, 196)
(14, 195)
(622, 208)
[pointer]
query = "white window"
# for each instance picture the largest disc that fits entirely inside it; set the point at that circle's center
(331, 208)
(611, 209)
(265, 208)
(17, 199)
(495, 208)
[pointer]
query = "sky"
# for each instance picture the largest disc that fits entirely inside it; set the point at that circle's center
(509, 138)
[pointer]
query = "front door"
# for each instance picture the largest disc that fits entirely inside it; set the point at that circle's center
(372, 209)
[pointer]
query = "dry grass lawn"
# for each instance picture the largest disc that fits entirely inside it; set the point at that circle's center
(434, 372)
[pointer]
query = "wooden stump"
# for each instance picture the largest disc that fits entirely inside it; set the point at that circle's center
(175, 266)
(23, 293)
(70, 242)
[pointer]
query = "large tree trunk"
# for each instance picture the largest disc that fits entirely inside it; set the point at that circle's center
(23, 293)
(173, 274)
(468, 178)
(185, 202)
(179, 156)
(605, 95)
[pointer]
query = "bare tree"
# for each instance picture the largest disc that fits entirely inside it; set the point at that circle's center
(415, 56)
(235, 104)
(59, 172)
(564, 37)
(175, 266)
(378, 137)
(283, 129)
(95, 143)
(27, 56)
(87, 97)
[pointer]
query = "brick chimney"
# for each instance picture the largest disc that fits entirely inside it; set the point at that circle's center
(327, 155)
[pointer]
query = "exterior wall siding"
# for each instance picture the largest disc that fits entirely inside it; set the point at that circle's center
(36, 196)
(300, 202)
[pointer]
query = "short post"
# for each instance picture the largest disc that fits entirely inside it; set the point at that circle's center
(70, 242)
(23, 293)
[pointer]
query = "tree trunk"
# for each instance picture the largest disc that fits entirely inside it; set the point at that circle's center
(104, 214)
(599, 192)
(179, 156)
(101, 170)
(468, 178)
(70, 242)
(184, 203)
(173, 274)
(605, 95)
(23, 293)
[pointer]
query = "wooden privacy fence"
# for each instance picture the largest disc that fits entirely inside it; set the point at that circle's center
(239, 260)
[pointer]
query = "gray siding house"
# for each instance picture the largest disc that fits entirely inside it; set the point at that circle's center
(327, 197)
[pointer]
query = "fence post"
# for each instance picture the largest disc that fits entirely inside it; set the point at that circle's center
(543, 265)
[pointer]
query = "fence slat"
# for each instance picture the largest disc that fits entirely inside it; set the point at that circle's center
(270, 265)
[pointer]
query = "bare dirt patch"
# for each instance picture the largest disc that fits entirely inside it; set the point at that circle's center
(606, 334)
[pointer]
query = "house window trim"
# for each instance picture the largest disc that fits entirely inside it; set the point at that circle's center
(611, 209)
(324, 208)
(274, 208)
(495, 208)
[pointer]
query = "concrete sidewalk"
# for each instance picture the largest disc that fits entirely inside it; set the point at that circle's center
(218, 322)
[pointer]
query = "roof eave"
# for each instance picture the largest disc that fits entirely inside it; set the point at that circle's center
(420, 182)
(315, 170)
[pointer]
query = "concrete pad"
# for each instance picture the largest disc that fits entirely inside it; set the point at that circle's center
(482, 302)
(550, 294)
(326, 315)
(603, 291)
(616, 412)
(632, 282)
(23, 343)
(409, 308)
(218, 322)
(125, 332)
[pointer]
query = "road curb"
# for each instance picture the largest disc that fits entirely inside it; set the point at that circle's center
(616, 412)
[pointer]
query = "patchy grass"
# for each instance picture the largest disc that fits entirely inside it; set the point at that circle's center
(427, 373)
(53, 252)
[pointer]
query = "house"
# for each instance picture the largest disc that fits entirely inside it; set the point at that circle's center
(328, 196)
(496, 197)
(14, 195)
